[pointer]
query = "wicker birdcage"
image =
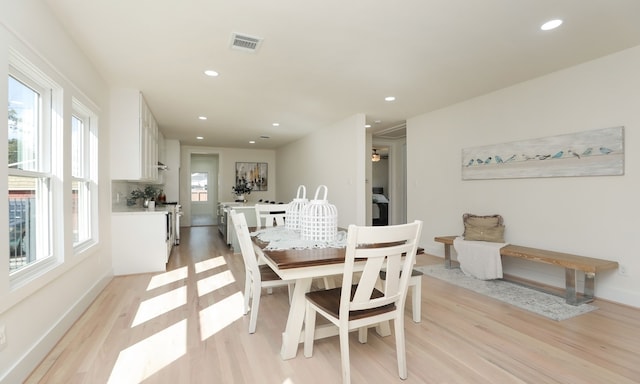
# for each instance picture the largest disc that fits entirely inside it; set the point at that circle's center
(319, 219)
(292, 215)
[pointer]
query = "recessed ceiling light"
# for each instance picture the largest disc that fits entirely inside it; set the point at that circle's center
(252, 141)
(367, 125)
(202, 117)
(390, 98)
(211, 73)
(551, 24)
(199, 138)
(378, 121)
(276, 124)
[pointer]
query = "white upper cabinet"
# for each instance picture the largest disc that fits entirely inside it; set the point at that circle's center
(134, 137)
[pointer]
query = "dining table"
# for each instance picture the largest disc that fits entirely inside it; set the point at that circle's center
(302, 266)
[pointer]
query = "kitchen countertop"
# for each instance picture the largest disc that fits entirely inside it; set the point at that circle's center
(136, 209)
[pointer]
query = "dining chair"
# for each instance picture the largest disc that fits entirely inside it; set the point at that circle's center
(358, 304)
(415, 282)
(268, 215)
(256, 276)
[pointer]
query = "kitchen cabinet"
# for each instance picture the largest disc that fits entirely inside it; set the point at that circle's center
(141, 240)
(134, 137)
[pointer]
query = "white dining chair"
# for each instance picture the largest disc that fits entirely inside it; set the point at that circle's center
(256, 276)
(358, 304)
(415, 282)
(268, 215)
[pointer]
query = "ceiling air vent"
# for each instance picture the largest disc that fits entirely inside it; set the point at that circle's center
(245, 43)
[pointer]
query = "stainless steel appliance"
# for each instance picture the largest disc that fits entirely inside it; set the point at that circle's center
(177, 215)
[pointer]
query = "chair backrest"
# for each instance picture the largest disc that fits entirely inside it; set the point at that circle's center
(269, 214)
(246, 246)
(390, 247)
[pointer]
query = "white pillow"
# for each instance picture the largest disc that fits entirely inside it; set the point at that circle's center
(379, 198)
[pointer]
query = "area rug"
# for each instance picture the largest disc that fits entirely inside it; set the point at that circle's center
(545, 304)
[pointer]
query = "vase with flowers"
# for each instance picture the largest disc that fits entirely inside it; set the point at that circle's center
(240, 189)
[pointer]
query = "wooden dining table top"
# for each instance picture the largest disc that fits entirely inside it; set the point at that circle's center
(298, 258)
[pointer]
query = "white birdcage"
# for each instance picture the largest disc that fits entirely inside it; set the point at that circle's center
(319, 219)
(292, 215)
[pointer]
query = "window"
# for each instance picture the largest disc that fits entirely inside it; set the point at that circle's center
(83, 171)
(29, 183)
(199, 186)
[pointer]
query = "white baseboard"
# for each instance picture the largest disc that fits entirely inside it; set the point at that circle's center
(30, 360)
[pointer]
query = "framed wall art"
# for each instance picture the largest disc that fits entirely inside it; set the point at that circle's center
(253, 175)
(598, 152)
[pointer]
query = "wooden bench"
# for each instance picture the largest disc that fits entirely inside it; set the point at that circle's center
(571, 264)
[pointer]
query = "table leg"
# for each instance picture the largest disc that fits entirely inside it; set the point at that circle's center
(293, 331)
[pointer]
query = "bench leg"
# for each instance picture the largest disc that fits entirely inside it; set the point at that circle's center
(447, 256)
(571, 293)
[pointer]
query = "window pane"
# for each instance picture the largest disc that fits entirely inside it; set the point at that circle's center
(23, 126)
(77, 147)
(28, 200)
(199, 186)
(80, 211)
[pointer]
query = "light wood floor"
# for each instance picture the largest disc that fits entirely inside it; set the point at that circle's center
(186, 326)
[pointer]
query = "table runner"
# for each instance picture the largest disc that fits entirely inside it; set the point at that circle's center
(280, 238)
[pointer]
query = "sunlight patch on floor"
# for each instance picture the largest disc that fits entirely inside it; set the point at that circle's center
(221, 314)
(143, 359)
(208, 264)
(212, 283)
(167, 278)
(160, 305)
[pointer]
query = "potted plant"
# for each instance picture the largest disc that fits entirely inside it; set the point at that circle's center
(148, 194)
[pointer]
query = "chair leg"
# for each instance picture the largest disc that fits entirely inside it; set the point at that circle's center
(398, 323)
(344, 353)
(363, 332)
(309, 330)
(247, 293)
(416, 298)
(255, 305)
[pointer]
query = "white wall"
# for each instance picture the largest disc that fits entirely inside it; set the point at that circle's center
(334, 156)
(38, 314)
(590, 216)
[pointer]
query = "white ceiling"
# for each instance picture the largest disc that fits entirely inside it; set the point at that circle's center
(322, 61)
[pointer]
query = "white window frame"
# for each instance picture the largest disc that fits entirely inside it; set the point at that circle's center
(48, 247)
(87, 177)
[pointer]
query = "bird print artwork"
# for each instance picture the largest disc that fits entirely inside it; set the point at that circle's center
(596, 152)
(605, 150)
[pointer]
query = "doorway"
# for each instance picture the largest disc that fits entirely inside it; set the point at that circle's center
(204, 189)
(389, 175)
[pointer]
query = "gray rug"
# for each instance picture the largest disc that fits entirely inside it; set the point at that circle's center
(544, 304)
